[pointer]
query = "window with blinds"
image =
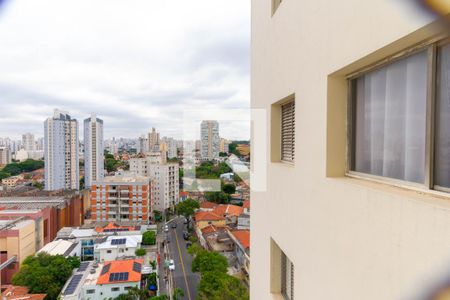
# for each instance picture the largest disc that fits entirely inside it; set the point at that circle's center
(288, 131)
(287, 277)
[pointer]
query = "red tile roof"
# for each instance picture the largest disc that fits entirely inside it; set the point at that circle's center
(246, 204)
(112, 226)
(209, 229)
(208, 205)
(228, 210)
(184, 194)
(243, 236)
(14, 292)
(120, 266)
(207, 216)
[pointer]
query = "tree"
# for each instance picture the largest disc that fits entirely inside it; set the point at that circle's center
(149, 238)
(4, 175)
(37, 185)
(218, 286)
(140, 252)
(177, 293)
(206, 261)
(158, 215)
(229, 189)
(187, 207)
(162, 297)
(218, 197)
(45, 273)
(134, 293)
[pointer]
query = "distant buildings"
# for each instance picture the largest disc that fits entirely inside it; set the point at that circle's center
(28, 142)
(121, 198)
(153, 140)
(5, 156)
(93, 150)
(143, 145)
(61, 152)
(224, 145)
(169, 145)
(210, 141)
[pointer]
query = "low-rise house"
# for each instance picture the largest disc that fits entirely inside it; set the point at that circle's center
(208, 206)
(103, 280)
(230, 212)
(12, 181)
(246, 206)
(205, 218)
(241, 262)
(14, 292)
(62, 247)
(215, 239)
(117, 247)
(243, 221)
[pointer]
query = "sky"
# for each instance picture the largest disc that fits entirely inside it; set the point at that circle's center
(136, 64)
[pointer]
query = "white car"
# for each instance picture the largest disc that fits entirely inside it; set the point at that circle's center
(166, 228)
(171, 265)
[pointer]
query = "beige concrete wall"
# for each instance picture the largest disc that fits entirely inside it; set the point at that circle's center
(348, 238)
(27, 241)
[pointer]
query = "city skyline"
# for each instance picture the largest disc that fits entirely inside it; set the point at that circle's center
(122, 71)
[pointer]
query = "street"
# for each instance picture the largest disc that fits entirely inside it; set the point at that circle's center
(183, 277)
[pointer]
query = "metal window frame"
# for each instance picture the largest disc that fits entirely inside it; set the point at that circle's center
(291, 100)
(431, 46)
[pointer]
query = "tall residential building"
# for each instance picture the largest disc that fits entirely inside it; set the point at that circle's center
(143, 145)
(61, 152)
(28, 142)
(169, 145)
(210, 140)
(224, 143)
(153, 140)
(165, 177)
(356, 200)
(5, 156)
(122, 198)
(93, 150)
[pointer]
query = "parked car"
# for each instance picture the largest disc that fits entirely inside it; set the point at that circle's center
(186, 235)
(174, 225)
(171, 265)
(188, 244)
(166, 228)
(185, 221)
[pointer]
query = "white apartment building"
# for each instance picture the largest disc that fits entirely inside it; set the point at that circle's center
(357, 99)
(28, 142)
(165, 176)
(169, 145)
(210, 140)
(5, 156)
(61, 152)
(143, 145)
(94, 167)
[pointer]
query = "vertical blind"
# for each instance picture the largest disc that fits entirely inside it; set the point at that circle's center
(287, 278)
(288, 131)
(390, 120)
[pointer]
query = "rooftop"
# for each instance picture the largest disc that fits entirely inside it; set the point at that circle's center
(129, 241)
(121, 271)
(128, 178)
(228, 210)
(208, 205)
(58, 247)
(207, 216)
(243, 236)
(14, 292)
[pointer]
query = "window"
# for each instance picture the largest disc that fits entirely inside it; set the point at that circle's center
(288, 131)
(90, 291)
(282, 135)
(399, 114)
(127, 288)
(108, 251)
(115, 289)
(281, 273)
(287, 277)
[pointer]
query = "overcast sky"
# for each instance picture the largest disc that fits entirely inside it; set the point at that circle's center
(136, 64)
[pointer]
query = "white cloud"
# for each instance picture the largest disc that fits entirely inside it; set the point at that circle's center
(137, 64)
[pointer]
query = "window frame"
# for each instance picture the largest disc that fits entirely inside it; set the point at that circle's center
(291, 101)
(431, 46)
(276, 143)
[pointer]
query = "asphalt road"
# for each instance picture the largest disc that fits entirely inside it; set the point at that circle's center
(183, 277)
